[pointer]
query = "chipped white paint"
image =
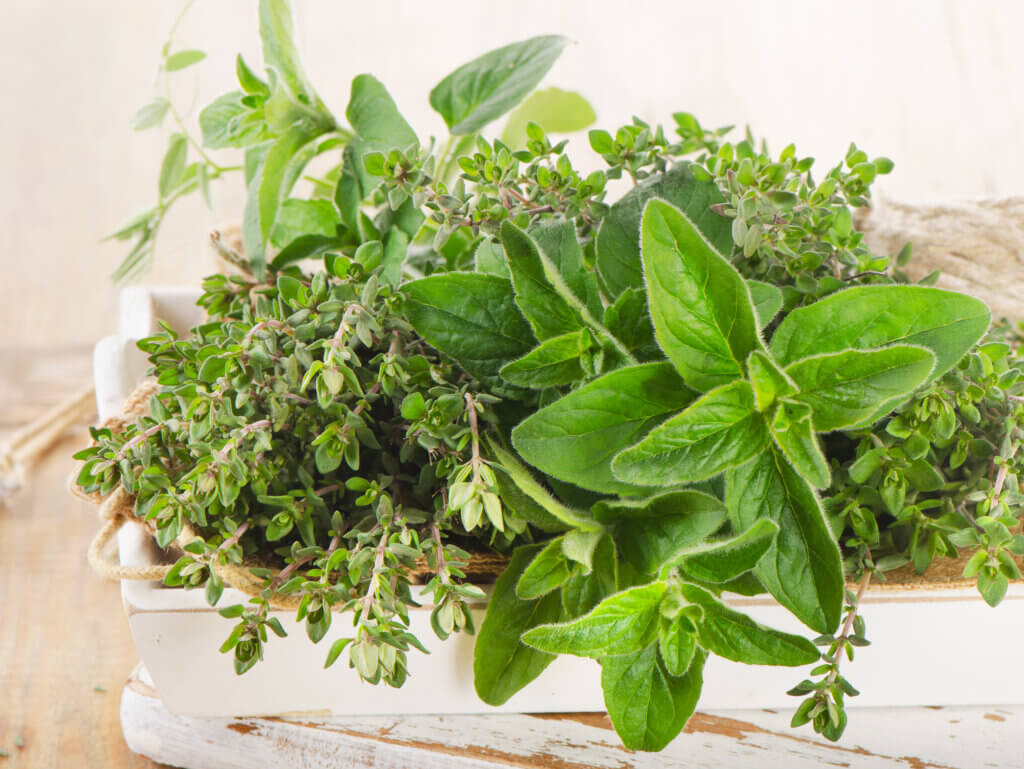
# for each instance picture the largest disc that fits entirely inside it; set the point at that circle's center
(877, 738)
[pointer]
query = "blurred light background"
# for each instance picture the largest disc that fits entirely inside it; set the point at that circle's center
(934, 85)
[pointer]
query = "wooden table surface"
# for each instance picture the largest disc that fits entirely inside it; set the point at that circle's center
(64, 643)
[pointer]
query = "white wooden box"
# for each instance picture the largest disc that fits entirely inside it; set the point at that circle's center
(929, 647)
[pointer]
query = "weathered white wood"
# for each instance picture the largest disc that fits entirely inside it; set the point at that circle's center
(877, 738)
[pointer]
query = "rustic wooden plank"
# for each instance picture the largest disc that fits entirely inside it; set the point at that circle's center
(878, 738)
(63, 630)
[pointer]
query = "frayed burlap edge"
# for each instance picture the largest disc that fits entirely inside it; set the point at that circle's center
(118, 508)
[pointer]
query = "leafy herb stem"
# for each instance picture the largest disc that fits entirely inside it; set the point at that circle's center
(848, 623)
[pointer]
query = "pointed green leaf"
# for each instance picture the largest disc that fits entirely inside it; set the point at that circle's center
(583, 591)
(767, 301)
(793, 431)
(490, 258)
(735, 636)
(768, 380)
(678, 645)
(172, 169)
(726, 560)
(546, 572)
(703, 315)
(854, 387)
(575, 438)
(554, 363)
(563, 256)
(802, 569)
(280, 51)
(471, 317)
(524, 506)
(618, 240)
(379, 126)
(621, 624)
(865, 317)
(647, 706)
(543, 305)
(720, 430)
(489, 86)
(502, 664)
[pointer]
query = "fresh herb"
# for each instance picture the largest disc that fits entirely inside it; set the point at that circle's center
(709, 385)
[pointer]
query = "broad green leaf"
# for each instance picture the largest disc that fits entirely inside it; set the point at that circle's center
(378, 125)
(647, 706)
(471, 317)
(544, 307)
(298, 217)
(490, 258)
(575, 438)
(802, 569)
(618, 241)
(396, 245)
(554, 363)
(653, 532)
(793, 432)
(489, 86)
(554, 110)
(524, 480)
(726, 560)
(737, 637)
(703, 315)
(546, 572)
(768, 380)
(865, 317)
(502, 664)
(722, 429)
(677, 644)
(847, 388)
(579, 546)
(280, 52)
(629, 320)
(226, 122)
(182, 59)
(621, 624)
(583, 591)
(523, 505)
(268, 189)
(150, 115)
(563, 256)
(767, 301)
(172, 169)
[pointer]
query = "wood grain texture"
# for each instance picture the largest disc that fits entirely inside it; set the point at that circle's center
(881, 738)
(63, 631)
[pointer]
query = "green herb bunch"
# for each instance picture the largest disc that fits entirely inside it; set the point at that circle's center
(303, 425)
(708, 385)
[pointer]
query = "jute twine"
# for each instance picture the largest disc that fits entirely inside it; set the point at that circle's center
(118, 508)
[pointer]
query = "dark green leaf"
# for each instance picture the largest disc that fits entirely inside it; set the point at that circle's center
(722, 429)
(554, 363)
(703, 315)
(802, 569)
(489, 86)
(583, 591)
(618, 241)
(575, 438)
(543, 305)
(726, 560)
(793, 432)
(546, 572)
(502, 664)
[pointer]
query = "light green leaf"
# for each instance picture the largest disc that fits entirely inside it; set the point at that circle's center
(524, 480)
(865, 317)
(848, 388)
(677, 644)
(768, 380)
(546, 572)
(396, 246)
(802, 569)
(280, 52)
(621, 624)
(298, 217)
(647, 706)
(583, 591)
(722, 429)
(379, 126)
(490, 258)
(150, 115)
(793, 431)
(737, 637)
(651, 533)
(767, 301)
(618, 241)
(554, 363)
(226, 122)
(502, 664)
(562, 256)
(471, 317)
(543, 305)
(575, 438)
(172, 169)
(183, 59)
(489, 86)
(726, 560)
(554, 110)
(703, 315)
(522, 504)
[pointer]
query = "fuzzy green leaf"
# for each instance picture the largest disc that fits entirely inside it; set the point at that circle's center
(720, 430)
(793, 432)
(678, 645)
(802, 569)
(546, 572)
(575, 438)
(554, 363)
(543, 305)
(726, 560)
(767, 301)
(489, 86)
(704, 317)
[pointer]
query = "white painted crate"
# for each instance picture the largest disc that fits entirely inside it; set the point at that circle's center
(934, 647)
